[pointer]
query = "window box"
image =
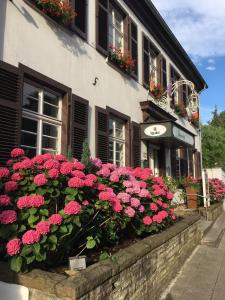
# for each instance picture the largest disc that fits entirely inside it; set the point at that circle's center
(123, 62)
(180, 110)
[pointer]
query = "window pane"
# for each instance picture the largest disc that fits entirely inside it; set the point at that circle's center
(50, 111)
(111, 127)
(50, 98)
(49, 143)
(50, 130)
(30, 152)
(28, 139)
(119, 147)
(80, 19)
(30, 97)
(29, 125)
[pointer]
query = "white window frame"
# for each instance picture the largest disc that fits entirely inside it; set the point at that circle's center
(113, 12)
(41, 118)
(115, 140)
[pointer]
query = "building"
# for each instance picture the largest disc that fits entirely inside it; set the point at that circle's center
(60, 85)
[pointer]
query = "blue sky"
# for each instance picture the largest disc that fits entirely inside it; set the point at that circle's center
(200, 28)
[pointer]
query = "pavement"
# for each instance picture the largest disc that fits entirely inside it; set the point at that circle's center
(203, 275)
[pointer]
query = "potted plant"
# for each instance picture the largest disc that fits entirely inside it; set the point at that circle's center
(122, 60)
(192, 188)
(180, 110)
(155, 89)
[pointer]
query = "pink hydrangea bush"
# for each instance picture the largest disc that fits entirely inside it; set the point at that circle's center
(216, 190)
(51, 206)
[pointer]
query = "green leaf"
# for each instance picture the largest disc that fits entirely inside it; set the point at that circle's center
(52, 247)
(43, 240)
(63, 229)
(22, 228)
(69, 197)
(91, 243)
(104, 255)
(32, 219)
(32, 210)
(24, 216)
(44, 212)
(23, 182)
(55, 182)
(53, 239)
(70, 228)
(30, 259)
(71, 191)
(40, 257)
(26, 250)
(41, 191)
(76, 220)
(32, 187)
(16, 263)
(7, 231)
(36, 248)
(54, 228)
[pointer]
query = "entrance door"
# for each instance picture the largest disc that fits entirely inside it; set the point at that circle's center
(154, 159)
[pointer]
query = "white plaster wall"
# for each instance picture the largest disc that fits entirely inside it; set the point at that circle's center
(216, 173)
(45, 47)
(13, 292)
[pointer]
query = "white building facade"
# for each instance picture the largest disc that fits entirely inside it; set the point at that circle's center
(58, 87)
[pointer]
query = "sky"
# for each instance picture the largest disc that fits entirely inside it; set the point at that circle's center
(200, 28)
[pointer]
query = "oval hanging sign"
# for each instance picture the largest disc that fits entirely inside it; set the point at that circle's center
(155, 130)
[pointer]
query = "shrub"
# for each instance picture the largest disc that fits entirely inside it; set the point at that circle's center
(216, 190)
(51, 208)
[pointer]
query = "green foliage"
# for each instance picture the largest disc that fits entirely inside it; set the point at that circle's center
(218, 119)
(213, 146)
(86, 154)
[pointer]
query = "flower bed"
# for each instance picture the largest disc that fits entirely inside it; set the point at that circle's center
(121, 60)
(51, 208)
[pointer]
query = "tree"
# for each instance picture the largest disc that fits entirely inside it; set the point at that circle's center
(218, 119)
(213, 145)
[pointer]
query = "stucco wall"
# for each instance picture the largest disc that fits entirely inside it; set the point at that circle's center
(34, 41)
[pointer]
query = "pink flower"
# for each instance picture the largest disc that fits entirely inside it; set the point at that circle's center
(4, 200)
(158, 192)
(165, 205)
(134, 202)
(92, 177)
(159, 202)
(104, 172)
(10, 186)
(60, 157)
(30, 201)
(4, 172)
(141, 209)
(16, 177)
(43, 227)
(157, 219)
(16, 152)
(75, 182)
(30, 237)
(124, 197)
(117, 207)
(9, 163)
(8, 217)
(153, 206)
(72, 208)
(169, 195)
(147, 220)
(101, 187)
(85, 203)
(13, 247)
(127, 184)
(114, 178)
(96, 162)
(129, 211)
(106, 196)
(66, 168)
(40, 179)
(55, 219)
(88, 182)
(53, 173)
(163, 214)
(78, 165)
(51, 164)
(144, 193)
(172, 211)
(173, 217)
(78, 174)
(143, 184)
(25, 164)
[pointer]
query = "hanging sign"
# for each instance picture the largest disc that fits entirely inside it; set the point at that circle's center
(155, 130)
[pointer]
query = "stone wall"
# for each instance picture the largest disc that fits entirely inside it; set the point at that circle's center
(142, 271)
(212, 212)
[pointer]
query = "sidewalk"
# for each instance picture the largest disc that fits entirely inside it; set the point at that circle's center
(203, 275)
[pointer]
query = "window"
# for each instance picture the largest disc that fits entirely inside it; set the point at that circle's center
(80, 21)
(116, 141)
(174, 76)
(150, 54)
(116, 28)
(41, 120)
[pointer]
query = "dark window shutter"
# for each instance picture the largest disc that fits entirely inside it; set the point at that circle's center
(164, 74)
(173, 153)
(134, 44)
(102, 25)
(145, 61)
(81, 18)
(79, 111)
(162, 162)
(10, 109)
(136, 145)
(102, 135)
